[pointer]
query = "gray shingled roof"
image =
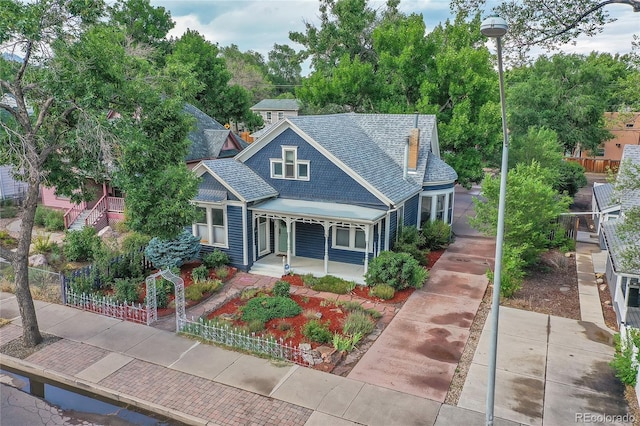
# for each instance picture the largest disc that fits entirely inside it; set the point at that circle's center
(277, 105)
(604, 195)
(615, 246)
(208, 137)
(372, 145)
(244, 181)
(438, 171)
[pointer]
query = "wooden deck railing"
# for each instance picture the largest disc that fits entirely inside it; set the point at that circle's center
(115, 204)
(72, 214)
(98, 210)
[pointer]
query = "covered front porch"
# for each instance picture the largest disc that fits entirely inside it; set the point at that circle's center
(273, 265)
(320, 238)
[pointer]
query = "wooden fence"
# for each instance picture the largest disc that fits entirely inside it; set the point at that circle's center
(596, 165)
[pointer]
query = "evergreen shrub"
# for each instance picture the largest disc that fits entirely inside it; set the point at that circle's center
(173, 253)
(399, 270)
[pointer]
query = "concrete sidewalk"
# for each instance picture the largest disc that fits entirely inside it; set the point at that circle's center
(201, 384)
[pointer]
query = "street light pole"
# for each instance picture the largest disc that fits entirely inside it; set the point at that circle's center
(496, 27)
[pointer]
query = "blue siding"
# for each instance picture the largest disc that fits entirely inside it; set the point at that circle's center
(209, 182)
(234, 235)
(393, 228)
(310, 240)
(411, 211)
(310, 243)
(327, 181)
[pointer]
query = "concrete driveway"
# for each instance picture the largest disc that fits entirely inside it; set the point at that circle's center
(547, 365)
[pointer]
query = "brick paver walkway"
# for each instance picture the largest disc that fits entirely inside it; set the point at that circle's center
(173, 389)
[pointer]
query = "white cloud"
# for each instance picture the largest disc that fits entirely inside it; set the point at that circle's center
(257, 25)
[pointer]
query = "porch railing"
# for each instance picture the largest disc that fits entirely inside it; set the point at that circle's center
(98, 210)
(115, 204)
(72, 214)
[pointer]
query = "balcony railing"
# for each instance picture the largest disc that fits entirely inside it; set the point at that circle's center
(115, 204)
(72, 214)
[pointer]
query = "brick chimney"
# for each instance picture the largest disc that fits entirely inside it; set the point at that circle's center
(414, 146)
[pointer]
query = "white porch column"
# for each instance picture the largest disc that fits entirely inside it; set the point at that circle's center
(326, 227)
(245, 242)
(626, 298)
(253, 230)
(288, 222)
(379, 238)
(445, 212)
(366, 247)
(434, 206)
(386, 231)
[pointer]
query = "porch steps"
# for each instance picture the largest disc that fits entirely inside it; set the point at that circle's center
(78, 224)
(274, 271)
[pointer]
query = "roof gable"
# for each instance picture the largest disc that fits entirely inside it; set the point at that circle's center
(370, 147)
(209, 139)
(236, 177)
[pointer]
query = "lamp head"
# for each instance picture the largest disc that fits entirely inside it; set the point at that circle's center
(494, 26)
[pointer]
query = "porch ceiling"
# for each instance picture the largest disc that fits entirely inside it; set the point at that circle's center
(319, 210)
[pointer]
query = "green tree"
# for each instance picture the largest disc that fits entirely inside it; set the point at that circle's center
(346, 28)
(210, 69)
(75, 68)
(461, 88)
(527, 191)
(403, 58)
(284, 68)
(542, 146)
(146, 24)
(249, 72)
(565, 93)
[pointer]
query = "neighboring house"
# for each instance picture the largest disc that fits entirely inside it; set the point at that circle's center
(624, 283)
(274, 110)
(625, 128)
(10, 187)
(326, 192)
(209, 140)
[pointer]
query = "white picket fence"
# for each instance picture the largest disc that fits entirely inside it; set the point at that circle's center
(109, 307)
(229, 336)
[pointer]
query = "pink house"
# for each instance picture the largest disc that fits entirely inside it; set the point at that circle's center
(209, 140)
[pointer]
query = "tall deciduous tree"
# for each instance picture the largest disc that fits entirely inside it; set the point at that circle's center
(75, 68)
(284, 68)
(566, 93)
(346, 28)
(461, 88)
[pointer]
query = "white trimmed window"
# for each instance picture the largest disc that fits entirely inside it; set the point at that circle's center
(211, 225)
(280, 115)
(350, 238)
(289, 166)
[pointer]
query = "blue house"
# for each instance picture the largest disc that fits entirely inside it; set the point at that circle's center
(324, 194)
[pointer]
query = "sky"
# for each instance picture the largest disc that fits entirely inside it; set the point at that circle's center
(257, 25)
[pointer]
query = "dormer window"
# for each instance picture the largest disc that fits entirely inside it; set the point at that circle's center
(289, 166)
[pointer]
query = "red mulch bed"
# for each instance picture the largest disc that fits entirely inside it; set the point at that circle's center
(331, 313)
(363, 291)
(293, 336)
(185, 274)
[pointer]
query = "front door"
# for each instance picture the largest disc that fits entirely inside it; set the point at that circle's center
(263, 236)
(281, 236)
